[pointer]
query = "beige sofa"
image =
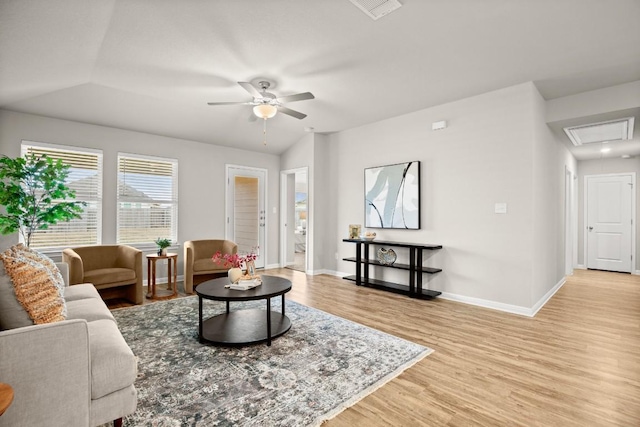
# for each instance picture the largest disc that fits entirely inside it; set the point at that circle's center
(77, 372)
(107, 267)
(198, 266)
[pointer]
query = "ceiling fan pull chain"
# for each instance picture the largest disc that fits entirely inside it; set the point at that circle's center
(264, 131)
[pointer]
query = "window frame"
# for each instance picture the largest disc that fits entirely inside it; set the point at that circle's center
(99, 200)
(174, 198)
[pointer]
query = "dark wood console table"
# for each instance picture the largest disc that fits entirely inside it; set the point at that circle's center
(415, 268)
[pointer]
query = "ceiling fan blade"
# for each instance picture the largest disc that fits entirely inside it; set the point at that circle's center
(230, 103)
(296, 97)
(251, 89)
(292, 113)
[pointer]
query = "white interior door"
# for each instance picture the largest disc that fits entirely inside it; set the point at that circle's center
(246, 214)
(609, 222)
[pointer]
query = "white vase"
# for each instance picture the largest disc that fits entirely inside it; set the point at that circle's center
(234, 274)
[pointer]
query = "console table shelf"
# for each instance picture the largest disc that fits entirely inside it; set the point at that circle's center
(428, 270)
(396, 288)
(416, 269)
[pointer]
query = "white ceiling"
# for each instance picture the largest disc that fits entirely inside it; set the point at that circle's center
(152, 66)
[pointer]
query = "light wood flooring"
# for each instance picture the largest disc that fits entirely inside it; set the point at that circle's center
(576, 363)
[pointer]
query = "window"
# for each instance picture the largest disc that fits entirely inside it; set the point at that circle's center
(85, 178)
(147, 199)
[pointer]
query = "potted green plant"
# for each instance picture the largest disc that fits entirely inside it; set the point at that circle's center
(163, 244)
(33, 194)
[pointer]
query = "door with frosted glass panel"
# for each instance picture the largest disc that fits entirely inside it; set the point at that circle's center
(246, 215)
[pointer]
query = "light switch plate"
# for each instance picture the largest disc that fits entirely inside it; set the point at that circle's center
(501, 208)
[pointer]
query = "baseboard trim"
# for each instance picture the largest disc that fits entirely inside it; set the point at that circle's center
(580, 267)
(493, 305)
(163, 280)
(324, 271)
(547, 296)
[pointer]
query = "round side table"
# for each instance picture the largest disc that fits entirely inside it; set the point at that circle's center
(171, 278)
(6, 397)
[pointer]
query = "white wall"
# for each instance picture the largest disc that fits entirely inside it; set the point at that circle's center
(310, 152)
(550, 157)
(201, 172)
(485, 156)
(602, 167)
(613, 98)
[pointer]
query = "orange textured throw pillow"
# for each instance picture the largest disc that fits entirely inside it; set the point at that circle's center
(35, 287)
(47, 262)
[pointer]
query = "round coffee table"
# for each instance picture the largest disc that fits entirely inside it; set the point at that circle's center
(241, 327)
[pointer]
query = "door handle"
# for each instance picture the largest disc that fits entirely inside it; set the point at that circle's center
(590, 228)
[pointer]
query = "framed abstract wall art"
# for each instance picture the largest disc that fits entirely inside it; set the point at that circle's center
(392, 196)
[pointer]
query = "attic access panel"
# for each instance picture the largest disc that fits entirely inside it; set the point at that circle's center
(376, 9)
(611, 130)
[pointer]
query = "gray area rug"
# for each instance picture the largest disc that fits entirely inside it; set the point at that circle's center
(323, 365)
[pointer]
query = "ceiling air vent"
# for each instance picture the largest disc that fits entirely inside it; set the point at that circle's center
(376, 9)
(611, 130)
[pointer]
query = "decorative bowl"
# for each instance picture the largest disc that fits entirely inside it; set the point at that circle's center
(387, 256)
(367, 238)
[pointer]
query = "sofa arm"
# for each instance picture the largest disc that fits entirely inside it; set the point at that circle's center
(64, 271)
(48, 367)
(76, 267)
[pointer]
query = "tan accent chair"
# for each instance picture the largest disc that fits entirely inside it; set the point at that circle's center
(198, 266)
(107, 267)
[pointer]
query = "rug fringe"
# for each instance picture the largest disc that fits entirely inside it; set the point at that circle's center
(364, 393)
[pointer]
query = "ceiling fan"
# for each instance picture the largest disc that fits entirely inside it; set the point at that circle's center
(266, 104)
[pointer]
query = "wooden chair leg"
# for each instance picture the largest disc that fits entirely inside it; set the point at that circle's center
(117, 423)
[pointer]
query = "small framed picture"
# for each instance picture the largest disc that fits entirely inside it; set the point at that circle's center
(354, 231)
(251, 268)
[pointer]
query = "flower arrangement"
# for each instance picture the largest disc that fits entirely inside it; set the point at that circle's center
(234, 260)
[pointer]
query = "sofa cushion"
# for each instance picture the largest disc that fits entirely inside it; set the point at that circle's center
(12, 313)
(89, 309)
(81, 291)
(109, 275)
(35, 287)
(113, 364)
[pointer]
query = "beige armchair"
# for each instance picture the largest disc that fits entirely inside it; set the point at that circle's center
(107, 267)
(198, 266)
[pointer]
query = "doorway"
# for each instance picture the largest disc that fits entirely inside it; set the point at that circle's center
(569, 230)
(295, 215)
(610, 229)
(246, 215)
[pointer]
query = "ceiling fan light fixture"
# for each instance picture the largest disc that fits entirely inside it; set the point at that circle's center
(265, 111)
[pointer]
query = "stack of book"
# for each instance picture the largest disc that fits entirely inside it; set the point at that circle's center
(244, 285)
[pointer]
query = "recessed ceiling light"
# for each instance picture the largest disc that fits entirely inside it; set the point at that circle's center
(605, 150)
(625, 156)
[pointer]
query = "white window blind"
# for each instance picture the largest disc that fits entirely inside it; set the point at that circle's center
(85, 178)
(147, 199)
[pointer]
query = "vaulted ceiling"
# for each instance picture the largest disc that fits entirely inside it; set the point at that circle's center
(152, 66)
